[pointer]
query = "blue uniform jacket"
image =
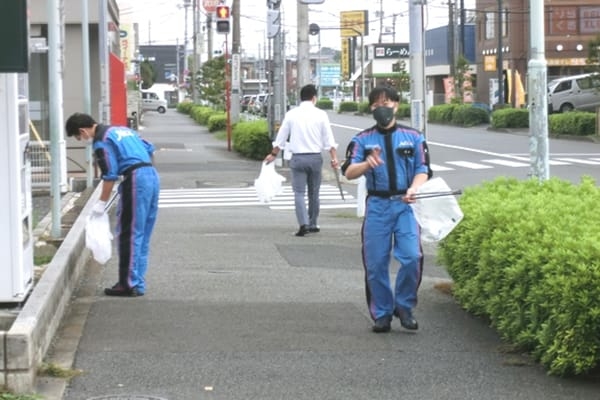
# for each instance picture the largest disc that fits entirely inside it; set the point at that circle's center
(117, 148)
(403, 152)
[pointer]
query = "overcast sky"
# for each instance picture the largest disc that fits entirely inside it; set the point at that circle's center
(163, 21)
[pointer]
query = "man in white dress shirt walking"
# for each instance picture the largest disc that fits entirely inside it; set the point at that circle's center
(309, 132)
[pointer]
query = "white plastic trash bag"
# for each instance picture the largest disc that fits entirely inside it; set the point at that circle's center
(437, 215)
(269, 183)
(98, 237)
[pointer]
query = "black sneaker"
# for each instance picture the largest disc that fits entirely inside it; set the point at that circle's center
(382, 324)
(303, 230)
(314, 229)
(406, 319)
(119, 290)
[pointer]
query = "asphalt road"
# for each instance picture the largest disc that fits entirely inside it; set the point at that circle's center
(237, 307)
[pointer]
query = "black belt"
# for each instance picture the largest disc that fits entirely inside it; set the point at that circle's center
(133, 167)
(386, 193)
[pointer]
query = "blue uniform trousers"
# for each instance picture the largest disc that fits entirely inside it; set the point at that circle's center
(136, 216)
(390, 227)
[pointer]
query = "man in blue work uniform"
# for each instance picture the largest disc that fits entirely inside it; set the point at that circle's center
(393, 160)
(119, 151)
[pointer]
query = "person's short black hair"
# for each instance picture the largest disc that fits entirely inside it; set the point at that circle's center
(383, 93)
(77, 121)
(308, 92)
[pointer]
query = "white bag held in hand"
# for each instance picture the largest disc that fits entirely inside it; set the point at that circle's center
(98, 237)
(438, 214)
(269, 183)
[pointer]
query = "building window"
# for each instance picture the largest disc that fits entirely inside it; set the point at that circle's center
(490, 25)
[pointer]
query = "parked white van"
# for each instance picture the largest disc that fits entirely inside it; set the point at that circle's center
(579, 92)
(151, 102)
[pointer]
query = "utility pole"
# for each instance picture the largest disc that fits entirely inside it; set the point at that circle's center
(499, 59)
(87, 91)
(186, 5)
(210, 35)
(303, 47)
(380, 20)
(276, 96)
(417, 65)
(195, 62)
(235, 62)
(537, 98)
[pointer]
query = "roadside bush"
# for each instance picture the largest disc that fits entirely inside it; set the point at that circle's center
(363, 107)
(348, 106)
(467, 115)
(325, 103)
(572, 123)
(510, 118)
(441, 113)
(533, 269)
(200, 114)
(403, 111)
(251, 139)
(185, 107)
(217, 122)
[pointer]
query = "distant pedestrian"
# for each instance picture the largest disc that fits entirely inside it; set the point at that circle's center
(120, 151)
(393, 159)
(309, 132)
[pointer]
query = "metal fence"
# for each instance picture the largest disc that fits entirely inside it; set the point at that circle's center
(39, 155)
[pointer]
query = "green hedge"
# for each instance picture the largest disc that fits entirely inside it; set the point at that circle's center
(532, 267)
(510, 118)
(403, 111)
(348, 106)
(325, 103)
(217, 121)
(458, 114)
(572, 123)
(251, 139)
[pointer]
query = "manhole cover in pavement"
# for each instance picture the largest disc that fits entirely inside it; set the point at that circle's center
(126, 397)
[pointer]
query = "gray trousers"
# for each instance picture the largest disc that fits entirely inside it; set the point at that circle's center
(306, 173)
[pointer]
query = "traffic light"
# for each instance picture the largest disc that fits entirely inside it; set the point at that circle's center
(223, 16)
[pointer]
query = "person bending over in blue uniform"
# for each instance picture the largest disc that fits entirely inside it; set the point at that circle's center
(119, 151)
(392, 158)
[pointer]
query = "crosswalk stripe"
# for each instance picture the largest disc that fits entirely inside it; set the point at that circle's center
(440, 168)
(470, 165)
(550, 162)
(579, 161)
(506, 163)
(237, 197)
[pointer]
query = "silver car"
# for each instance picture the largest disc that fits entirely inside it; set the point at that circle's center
(579, 92)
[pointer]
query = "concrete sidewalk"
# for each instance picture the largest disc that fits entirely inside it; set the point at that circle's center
(237, 307)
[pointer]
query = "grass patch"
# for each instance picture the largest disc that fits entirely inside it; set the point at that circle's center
(56, 371)
(5, 395)
(42, 260)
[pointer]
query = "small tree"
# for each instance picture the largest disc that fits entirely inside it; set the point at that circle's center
(210, 82)
(593, 60)
(462, 79)
(147, 73)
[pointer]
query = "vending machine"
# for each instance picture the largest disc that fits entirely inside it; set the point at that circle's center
(16, 238)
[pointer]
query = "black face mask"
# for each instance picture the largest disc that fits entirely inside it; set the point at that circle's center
(383, 115)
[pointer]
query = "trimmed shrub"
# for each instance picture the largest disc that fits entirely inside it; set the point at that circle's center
(467, 115)
(200, 114)
(185, 107)
(217, 122)
(348, 106)
(251, 139)
(572, 123)
(325, 103)
(510, 118)
(403, 111)
(441, 113)
(364, 108)
(533, 269)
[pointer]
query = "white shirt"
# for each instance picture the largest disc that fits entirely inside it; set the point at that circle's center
(307, 128)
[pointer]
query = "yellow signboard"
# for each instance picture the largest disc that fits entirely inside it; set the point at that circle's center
(345, 59)
(354, 23)
(489, 63)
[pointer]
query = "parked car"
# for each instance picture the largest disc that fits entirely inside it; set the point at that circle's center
(257, 105)
(579, 92)
(151, 102)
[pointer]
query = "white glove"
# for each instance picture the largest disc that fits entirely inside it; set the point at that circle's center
(99, 208)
